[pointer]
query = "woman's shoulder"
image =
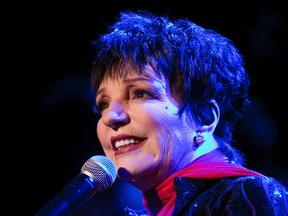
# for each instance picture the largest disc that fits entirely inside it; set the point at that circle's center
(261, 194)
(267, 182)
(261, 189)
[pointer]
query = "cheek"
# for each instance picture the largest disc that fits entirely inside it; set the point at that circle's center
(163, 124)
(100, 130)
(171, 130)
(150, 118)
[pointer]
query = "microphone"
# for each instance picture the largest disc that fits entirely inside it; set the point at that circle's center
(98, 173)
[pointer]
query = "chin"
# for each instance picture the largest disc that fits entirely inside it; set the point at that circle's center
(125, 174)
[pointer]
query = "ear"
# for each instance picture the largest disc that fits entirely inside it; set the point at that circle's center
(216, 113)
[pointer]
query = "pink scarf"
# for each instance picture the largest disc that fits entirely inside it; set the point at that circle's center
(209, 166)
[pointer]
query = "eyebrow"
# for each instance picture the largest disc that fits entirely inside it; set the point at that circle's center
(135, 79)
(130, 80)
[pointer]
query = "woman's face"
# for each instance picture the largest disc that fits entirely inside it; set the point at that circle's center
(140, 129)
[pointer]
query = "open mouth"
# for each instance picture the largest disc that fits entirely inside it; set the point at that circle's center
(126, 143)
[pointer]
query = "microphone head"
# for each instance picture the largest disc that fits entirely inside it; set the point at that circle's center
(101, 169)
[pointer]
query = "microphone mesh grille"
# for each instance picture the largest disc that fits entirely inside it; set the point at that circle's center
(101, 169)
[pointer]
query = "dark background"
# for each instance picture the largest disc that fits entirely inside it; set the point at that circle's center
(47, 120)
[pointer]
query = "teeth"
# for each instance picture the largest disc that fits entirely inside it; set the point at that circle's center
(121, 143)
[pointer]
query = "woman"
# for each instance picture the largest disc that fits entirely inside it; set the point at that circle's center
(169, 94)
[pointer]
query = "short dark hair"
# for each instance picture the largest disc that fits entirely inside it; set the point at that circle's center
(199, 64)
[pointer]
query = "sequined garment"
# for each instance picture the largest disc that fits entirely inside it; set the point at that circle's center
(240, 196)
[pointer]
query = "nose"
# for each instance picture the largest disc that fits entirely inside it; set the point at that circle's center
(116, 116)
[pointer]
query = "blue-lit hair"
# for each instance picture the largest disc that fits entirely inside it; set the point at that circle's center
(199, 64)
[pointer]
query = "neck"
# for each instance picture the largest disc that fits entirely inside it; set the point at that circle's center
(156, 198)
(208, 146)
(152, 202)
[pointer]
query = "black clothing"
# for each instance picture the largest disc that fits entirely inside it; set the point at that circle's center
(237, 196)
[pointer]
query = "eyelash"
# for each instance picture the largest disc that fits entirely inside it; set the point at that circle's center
(137, 94)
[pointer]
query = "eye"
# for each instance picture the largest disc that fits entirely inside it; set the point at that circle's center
(142, 94)
(100, 106)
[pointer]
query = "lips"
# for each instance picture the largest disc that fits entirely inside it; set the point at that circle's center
(124, 143)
